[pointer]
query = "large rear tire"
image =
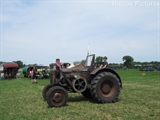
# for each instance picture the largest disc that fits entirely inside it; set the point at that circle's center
(57, 96)
(105, 87)
(45, 90)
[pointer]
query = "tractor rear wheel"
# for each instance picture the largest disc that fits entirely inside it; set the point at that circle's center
(57, 96)
(45, 90)
(105, 87)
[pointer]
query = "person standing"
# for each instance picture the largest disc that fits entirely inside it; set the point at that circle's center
(33, 75)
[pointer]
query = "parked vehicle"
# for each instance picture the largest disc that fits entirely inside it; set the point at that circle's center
(27, 70)
(41, 71)
(9, 70)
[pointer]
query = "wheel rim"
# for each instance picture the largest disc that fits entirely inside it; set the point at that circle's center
(58, 98)
(107, 89)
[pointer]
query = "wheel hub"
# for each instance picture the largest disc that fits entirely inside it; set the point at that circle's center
(106, 88)
(57, 97)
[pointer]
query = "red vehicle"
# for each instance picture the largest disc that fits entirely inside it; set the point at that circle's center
(9, 70)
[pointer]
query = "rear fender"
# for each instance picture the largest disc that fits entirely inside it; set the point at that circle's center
(100, 70)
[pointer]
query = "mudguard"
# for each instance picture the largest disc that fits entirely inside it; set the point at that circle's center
(100, 70)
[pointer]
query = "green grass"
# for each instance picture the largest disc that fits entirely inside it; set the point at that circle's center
(139, 100)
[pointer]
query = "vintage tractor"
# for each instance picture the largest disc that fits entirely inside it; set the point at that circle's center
(100, 84)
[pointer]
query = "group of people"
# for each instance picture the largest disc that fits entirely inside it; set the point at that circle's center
(10, 73)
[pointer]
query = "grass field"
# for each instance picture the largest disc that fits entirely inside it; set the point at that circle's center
(139, 100)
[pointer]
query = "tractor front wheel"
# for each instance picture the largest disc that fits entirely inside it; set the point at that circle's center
(45, 90)
(105, 87)
(57, 96)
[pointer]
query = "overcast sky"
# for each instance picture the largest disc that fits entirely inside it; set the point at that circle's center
(39, 31)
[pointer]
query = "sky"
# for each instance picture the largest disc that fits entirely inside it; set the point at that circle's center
(39, 31)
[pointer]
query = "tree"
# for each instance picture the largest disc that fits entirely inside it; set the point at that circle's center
(83, 62)
(20, 63)
(99, 60)
(1, 62)
(128, 61)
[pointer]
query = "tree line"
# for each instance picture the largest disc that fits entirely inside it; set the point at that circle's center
(128, 63)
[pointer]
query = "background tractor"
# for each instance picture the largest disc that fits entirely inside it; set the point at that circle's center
(100, 84)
